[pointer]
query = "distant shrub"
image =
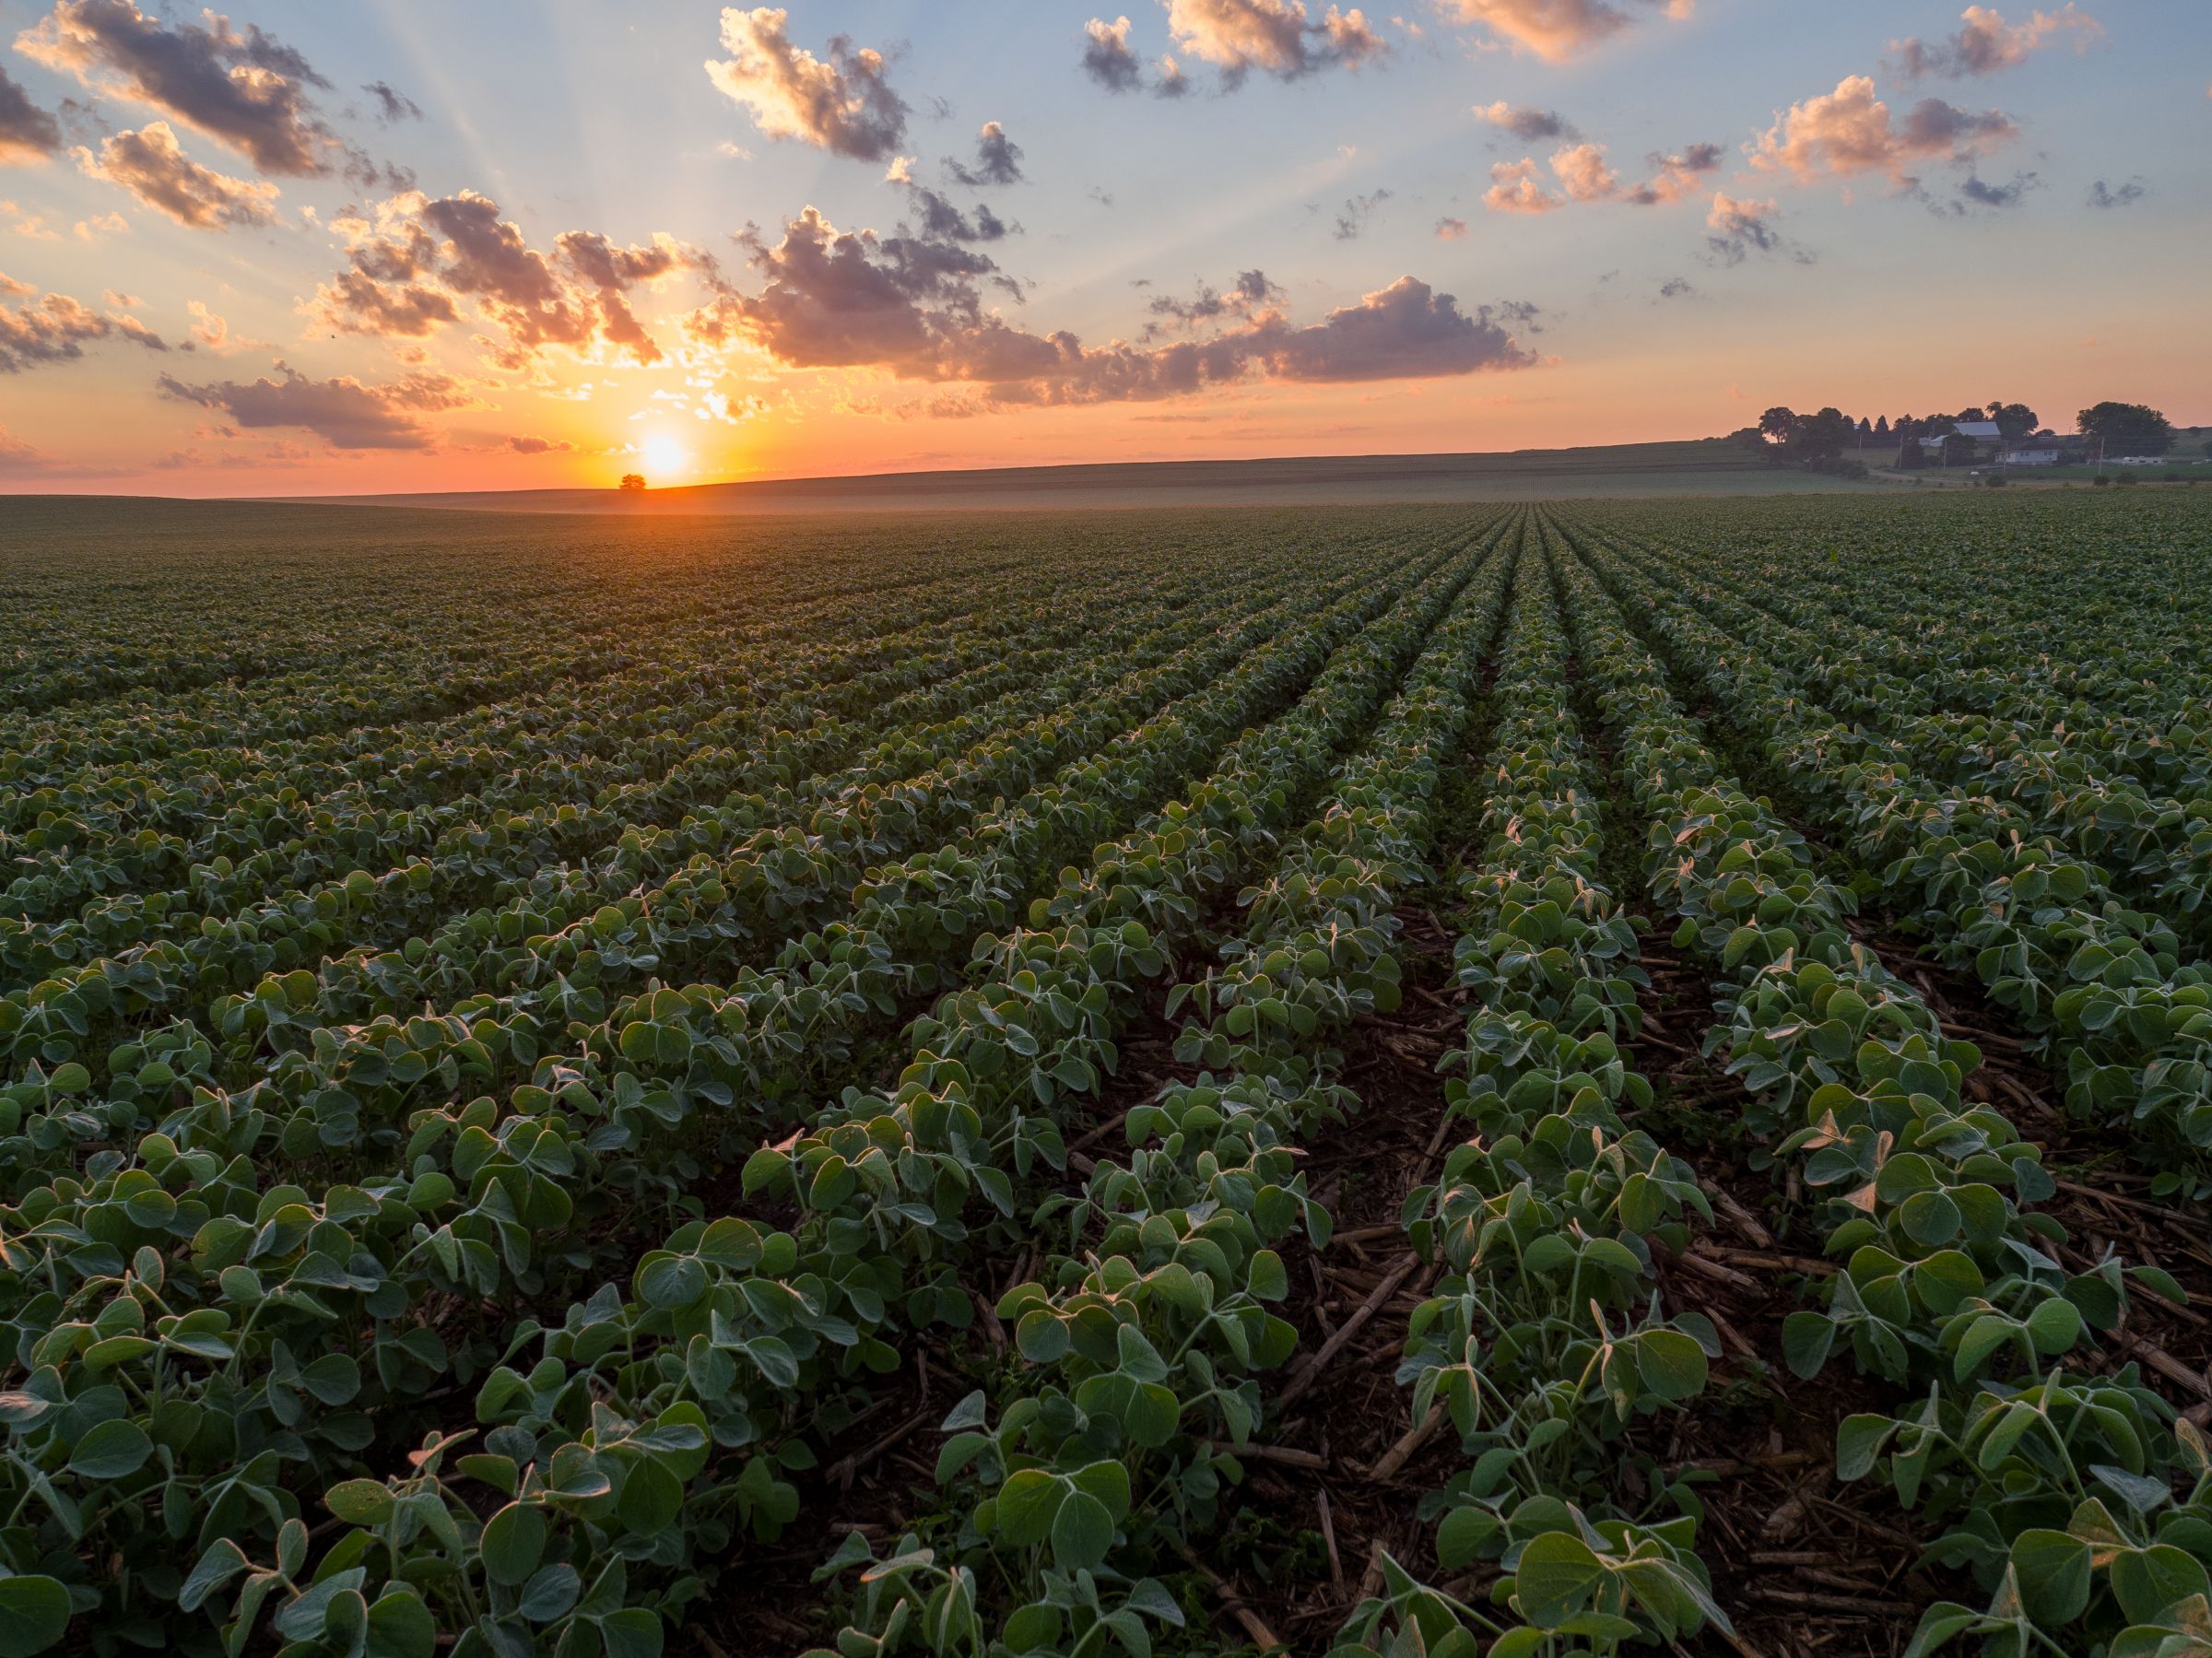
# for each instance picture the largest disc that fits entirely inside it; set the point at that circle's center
(2128, 477)
(1996, 480)
(2100, 480)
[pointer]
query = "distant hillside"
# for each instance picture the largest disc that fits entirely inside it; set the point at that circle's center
(1701, 466)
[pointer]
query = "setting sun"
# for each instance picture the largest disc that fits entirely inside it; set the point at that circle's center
(662, 454)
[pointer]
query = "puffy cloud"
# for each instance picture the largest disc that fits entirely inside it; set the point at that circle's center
(1251, 292)
(835, 298)
(99, 225)
(1276, 36)
(2119, 195)
(391, 106)
(1516, 187)
(241, 89)
(1357, 210)
(1450, 230)
(843, 105)
(1525, 121)
(26, 133)
(211, 333)
(341, 411)
(1987, 43)
(1742, 228)
(1674, 176)
(526, 445)
(997, 160)
(1583, 172)
(413, 259)
(1107, 56)
(1557, 30)
(1849, 131)
(149, 164)
(54, 328)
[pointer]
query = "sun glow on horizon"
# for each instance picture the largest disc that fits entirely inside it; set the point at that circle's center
(664, 454)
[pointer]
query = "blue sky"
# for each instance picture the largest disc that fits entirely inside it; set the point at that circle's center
(1966, 259)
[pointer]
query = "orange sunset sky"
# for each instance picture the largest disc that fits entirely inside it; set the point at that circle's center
(293, 248)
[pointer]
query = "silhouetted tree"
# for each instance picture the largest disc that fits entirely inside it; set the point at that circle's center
(2126, 427)
(633, 482)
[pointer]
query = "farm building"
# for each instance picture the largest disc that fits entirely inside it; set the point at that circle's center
(2034, 457)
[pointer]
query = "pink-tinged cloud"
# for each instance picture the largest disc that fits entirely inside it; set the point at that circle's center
(524, 445)
(414, 261)
(1517, 187)
(1987, 43)
(1450, 230)
(1526, 121)
(56, 328)
(151, 166)
(1582, 173)
(341, 411)
(841, 104)
(1849, 131)
(242, 89)
(1557, 30)
(1675, 175)
(1108, 58)
(28, 132)
(1275, 36)
(1740, 228)
(837, 299)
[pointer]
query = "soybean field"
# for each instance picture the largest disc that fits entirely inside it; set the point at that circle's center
(1493, 1081)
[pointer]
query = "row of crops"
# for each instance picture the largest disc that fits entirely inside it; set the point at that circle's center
(516, 1050)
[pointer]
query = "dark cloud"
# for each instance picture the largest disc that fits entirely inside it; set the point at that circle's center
(539, 445)
(414, 259)
(341, 411)
(1107, 58)
(842, 104)
(1987, 43)
(27, 131)
(242, 89)
(54, 328)
(997, 160)
(1674, 176)
(1357, 210)
(391, 106)
(1676, 287)
(1251, 291)
(1975, 192)
(943, 221)
(150, 165)
(2119, 195)
(1525, 121)
(832, 298)
(1276, 37)
(1740, 228)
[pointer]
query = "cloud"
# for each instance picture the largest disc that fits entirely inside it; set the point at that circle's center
(1849, 131)
(28, 134)
(1516, 187)
(341, 411)
(1106, 57)
(17, 457)
(1674, 176)
(1742, 228)
(522, 445)
(1251, 292)
(149, 165)
(211, 333)
(243, 90)
(2120, 196)
(1557, 30)
(1677, 288)
(843, 105)
(413, 259)
(101, 224)
(837, 299)
(1450, 230)
(1275, 36)
(997, 160)
(1525, 121)
(942, 220)
(1987, 43)
(1583, 172)
(1357, 210)
(391, 106)
(1974, 192)
(54, 328)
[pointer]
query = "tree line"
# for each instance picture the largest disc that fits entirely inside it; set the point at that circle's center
(1820, 439)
